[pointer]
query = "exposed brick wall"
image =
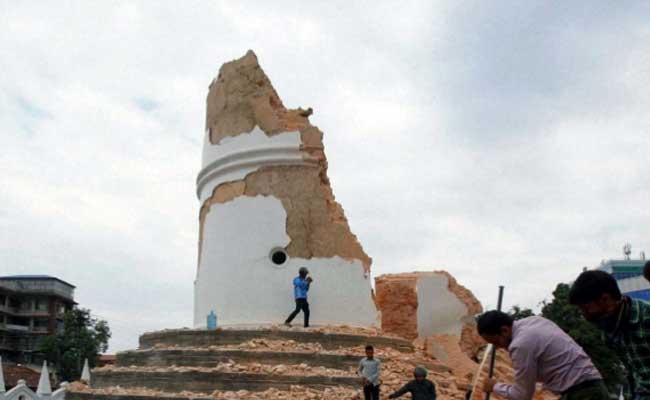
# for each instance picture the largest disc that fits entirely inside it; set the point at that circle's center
(397, 299)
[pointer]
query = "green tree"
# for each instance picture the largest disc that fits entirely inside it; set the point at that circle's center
(83, 336)
(568, 317)
(520, 313)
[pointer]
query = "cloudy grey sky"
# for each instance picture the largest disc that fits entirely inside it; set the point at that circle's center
(506, 142)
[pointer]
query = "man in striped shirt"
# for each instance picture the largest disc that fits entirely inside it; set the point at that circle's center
(625, 323)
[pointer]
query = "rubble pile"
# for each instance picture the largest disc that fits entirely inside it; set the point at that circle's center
(447, 335)
(279, 345)
(81, 387)
(446, 349)
(296, 392)
(330, 329)
(252, 345)
(452, 381)
(232, 366)
(397, 368)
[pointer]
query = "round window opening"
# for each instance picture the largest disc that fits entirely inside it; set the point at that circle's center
(279, 256)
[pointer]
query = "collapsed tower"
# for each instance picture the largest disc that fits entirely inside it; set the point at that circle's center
(267, 209)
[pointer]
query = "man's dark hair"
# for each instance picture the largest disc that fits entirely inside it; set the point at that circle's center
(591, 285)
(646, 270)
(491, 322)
(369, 347)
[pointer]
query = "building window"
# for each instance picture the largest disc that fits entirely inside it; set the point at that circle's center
(14, 303)
(41, 304)
(278, 256)
(26, 305)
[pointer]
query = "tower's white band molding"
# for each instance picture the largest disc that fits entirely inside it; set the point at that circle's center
(247, 161)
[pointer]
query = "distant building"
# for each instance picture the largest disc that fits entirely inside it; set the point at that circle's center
(629, 275)
(31, 308)
(14, 373)
(637, 287)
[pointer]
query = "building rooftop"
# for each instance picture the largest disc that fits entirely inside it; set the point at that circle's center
(34, 278)
(14, 373)
(622, 269)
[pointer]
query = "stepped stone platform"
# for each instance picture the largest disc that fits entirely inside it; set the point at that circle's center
(205, 382)
(211, 358)
(204, 338)
(98, 396)
(178, 362)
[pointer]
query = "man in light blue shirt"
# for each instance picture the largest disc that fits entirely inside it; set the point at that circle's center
(369, 369)
(301, 285)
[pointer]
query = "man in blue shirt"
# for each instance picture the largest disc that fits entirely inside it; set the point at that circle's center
(300, 288)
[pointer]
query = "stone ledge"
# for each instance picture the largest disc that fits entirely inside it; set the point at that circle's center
(207, 382)
(205, 338)
(210, 358)
(72, 395)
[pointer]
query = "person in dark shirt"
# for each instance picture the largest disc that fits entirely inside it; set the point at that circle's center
(301, 285)
(624, 322)
(420, 388)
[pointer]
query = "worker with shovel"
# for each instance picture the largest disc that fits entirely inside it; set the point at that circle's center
(540, 352)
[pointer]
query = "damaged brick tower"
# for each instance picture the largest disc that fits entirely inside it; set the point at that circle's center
(267, 209)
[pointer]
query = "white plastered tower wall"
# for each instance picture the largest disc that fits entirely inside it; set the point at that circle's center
(257, 159)
(439, 310)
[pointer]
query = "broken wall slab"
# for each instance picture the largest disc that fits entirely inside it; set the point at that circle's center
(422, 304)
(433, 309)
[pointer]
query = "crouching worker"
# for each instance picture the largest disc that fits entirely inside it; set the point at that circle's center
(369, 369)
(540, 352)
(420, 388)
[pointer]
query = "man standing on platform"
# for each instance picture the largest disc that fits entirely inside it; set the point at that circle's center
(301, 285)
(369, 369)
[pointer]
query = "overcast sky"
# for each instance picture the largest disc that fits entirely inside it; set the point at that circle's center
(506, 142)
